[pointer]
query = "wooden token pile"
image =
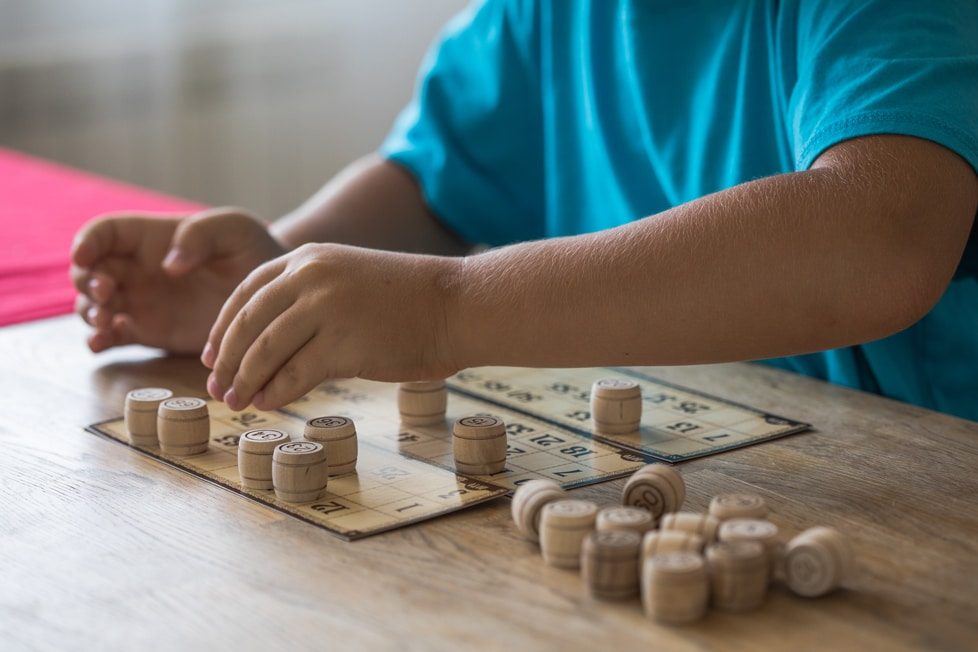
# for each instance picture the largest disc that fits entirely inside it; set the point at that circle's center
(726, 558)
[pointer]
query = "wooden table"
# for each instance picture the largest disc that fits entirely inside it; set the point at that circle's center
(96, 556)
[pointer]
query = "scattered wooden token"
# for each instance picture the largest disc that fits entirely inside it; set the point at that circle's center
(529, 500)
(754, 529)
(255, 449)
(479, 445)
(738, 574)
(702, 525)
(675, 587)
(183, 426)
(563, 526)
(616, 406)
(609, 563)
(338, 435)
(817, 561)
(657, 488)
(658, 542)
(739, 505)
(422, 403)
(632, 519)
(299, 471)
(140, 414)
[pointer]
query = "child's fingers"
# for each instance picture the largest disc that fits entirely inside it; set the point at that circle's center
(263, 359)
(113, 235)
(248, 328)
(257, 279)
(296, 378)
(83, 308)
(119, 333)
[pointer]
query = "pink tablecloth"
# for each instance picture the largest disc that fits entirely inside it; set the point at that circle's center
(42, 204)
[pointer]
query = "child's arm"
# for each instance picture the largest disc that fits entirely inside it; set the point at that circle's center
(856, 248)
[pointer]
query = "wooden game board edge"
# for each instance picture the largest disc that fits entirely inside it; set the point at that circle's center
(353, 535)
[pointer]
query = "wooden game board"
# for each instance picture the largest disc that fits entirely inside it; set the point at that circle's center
(405, 473)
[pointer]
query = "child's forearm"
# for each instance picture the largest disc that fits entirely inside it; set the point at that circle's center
(784, 265)
(372, 203)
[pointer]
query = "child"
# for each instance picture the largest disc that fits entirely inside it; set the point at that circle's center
(677, 184)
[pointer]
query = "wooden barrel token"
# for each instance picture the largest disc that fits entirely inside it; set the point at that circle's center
(299, 471)
(817, 561)
(609, 563)
(675, 587)
(255, 449)
(422, 403)
(616, 406)
(140, 414)
(702, 525)
(738, 574)
(656, 487)
(739, 505)
(528, 502)
(630, 519)
(479, 445)
(183, 425)
(338, 435)
(563, 526)
(657, 542)
(754, 529)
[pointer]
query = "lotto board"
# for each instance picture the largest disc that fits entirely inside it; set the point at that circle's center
(405, 473)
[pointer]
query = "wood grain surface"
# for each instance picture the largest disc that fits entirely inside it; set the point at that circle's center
(97, 556)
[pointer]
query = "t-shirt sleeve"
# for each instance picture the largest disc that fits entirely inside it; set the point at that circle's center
(885, 67)
(472, 135)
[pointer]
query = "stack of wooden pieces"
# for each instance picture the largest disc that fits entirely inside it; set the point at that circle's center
(675, 587)
(609, 563)
(183, 426)
(755, 529)
(479, 445)
(563, 526)
(299, 471)
(338, 435)
(616, 406)
(255, 449)
(738, 574)
(140, 413)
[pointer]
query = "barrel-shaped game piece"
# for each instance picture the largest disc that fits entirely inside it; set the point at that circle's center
(738, 574)
(738, 505)
(563, 526)
(299, 471)
(616, 406)
(609, 563)
(656, 487)
(817, 561)
(338, 435)
(630, 519)
(140, 414)
(422, 403)
(754, 529)
(183, 425)
(255, 449)
(675, 587)
(702, 525)
(657, 542)
(529, 500)
(479, 445)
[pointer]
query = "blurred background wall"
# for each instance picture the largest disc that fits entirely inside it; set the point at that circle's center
(247, 102)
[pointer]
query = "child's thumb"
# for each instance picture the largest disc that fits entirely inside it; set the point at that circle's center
(193, 243)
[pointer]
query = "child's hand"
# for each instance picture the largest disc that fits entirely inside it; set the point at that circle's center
(331, 311)
(160, 281)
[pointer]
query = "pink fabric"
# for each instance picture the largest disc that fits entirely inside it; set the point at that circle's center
(42, 205)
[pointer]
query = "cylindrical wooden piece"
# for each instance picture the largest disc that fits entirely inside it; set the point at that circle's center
(702, 525)
(658, 542)
(338, 435)
(299, 471)
(609, 563)
(754, 529)
(675, 587)
(479, 444)
(140, 414)
(183, 426)
(740, 505)
(528, 502)
(422, 403)
(657, 487)
(738, 574)
(563, 526)
(616, 406)
(817, 561)
(630, 519)
(255, 449)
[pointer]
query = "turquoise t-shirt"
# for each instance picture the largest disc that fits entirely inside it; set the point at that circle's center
(545, 118)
